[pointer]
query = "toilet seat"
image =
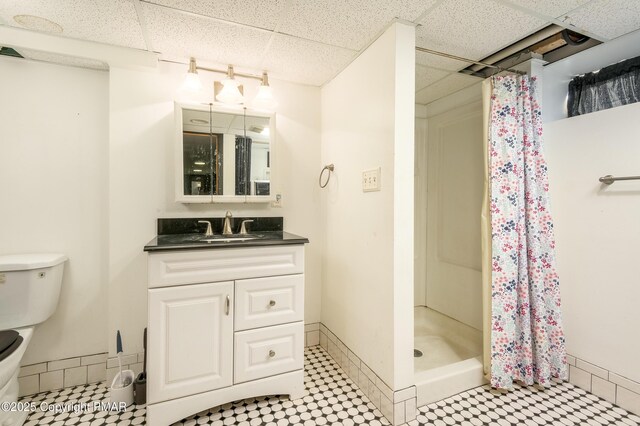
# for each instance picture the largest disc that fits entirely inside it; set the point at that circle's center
(10, 340)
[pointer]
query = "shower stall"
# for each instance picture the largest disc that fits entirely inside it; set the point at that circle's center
(449, 176)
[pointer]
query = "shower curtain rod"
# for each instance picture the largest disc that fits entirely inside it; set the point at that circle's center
(458, 58)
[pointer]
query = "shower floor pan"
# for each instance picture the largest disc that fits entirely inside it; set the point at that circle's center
(451, 362)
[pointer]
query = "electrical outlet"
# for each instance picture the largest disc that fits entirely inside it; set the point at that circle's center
(278, 201)
(371, 180)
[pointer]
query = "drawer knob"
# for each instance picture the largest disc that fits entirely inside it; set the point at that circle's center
(272, 353)
(272, 303)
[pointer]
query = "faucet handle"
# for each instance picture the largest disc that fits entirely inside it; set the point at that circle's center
(243, 229)
(209, 231)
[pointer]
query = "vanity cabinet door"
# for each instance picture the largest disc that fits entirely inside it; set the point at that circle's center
(190, 340)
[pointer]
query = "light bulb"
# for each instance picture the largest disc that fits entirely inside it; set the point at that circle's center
(192, 82)
(230, 94)
(264, 99)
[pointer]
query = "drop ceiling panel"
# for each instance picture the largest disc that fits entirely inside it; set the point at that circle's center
(440, 62)
(73, 61)
(350, 24)
(426, 76)
(607, 18)
(550, 8)
(175, 34)
(112, 21)
(303, 61)
(474, 28)
(444, 87)
(258, 13)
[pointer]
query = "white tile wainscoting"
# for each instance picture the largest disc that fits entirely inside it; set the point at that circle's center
(81, 370)
(68, 372)
(608, 385)
(398, 407)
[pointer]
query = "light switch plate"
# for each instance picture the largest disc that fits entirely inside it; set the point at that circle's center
(371, 180)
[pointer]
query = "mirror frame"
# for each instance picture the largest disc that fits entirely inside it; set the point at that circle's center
(180, 197)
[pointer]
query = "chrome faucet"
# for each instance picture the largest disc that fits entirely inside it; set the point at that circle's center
(243, 228)
(209, 231)
(226, 229)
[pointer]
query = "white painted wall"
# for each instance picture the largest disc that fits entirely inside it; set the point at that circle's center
(597, 233)
(141, 183)
(53, 187)
(368, 122)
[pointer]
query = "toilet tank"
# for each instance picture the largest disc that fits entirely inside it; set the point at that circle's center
(29, 288)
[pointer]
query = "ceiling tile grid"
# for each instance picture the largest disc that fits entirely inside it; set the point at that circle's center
(549, 8)
(607, 18)
(351, 24)
(474, 29)
(257, 13)
(304, 61)
(444, 87)
(439, 62)
(176, 34)
(112, 22)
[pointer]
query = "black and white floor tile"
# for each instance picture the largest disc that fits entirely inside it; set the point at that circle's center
(560, 404)
(333, 399)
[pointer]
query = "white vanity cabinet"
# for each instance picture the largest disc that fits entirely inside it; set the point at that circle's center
(224, 324)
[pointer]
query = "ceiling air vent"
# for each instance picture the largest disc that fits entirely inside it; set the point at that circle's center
(550, 44)
(7, 51)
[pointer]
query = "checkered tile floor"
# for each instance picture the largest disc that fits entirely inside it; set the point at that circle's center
(333, 399)
(561, 404)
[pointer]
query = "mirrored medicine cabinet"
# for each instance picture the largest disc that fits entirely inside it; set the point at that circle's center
(223, 155)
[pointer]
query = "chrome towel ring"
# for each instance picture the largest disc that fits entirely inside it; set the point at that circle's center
(329, 168)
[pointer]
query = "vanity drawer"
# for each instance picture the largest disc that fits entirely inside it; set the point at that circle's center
(261, 302)
(268, 351)
(223, 264)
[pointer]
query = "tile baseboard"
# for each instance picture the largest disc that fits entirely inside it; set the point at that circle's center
(606, 384)
(68, 372)
(93, 368)
(399, 407)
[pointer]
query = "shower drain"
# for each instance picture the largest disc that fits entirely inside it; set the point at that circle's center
(417, 353)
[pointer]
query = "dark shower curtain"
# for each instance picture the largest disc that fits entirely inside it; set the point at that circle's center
(243, 165)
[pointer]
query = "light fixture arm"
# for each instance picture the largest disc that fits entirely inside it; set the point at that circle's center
(193, 68)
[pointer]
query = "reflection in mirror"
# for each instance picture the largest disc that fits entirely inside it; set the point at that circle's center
(225, 153)
(202, 157)
(258, 179)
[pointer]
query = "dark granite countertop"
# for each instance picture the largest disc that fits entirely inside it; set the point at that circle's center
(193, 241)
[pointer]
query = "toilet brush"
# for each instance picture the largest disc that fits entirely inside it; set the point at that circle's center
(119, 352)
(121, 389)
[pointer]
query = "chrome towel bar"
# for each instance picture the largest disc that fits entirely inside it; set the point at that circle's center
(608, 179)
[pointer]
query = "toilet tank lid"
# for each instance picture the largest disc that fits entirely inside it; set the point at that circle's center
(22, 262)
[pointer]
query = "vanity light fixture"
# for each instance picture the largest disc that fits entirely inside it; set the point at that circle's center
(231, 90)
(264, 99)
(192, 81)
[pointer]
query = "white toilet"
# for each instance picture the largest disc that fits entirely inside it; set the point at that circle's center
(29, 292)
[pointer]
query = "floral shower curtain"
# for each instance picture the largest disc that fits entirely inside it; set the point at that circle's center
(526, 339)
